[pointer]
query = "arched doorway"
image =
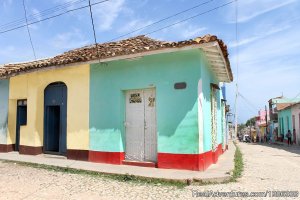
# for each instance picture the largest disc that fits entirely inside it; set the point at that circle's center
(55, 118)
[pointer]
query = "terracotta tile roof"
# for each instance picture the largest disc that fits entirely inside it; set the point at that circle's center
(139, 44)
(282, 106)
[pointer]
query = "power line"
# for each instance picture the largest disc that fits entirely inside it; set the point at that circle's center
(162, 28)
(161, 20)
(248, 102)
(41, 13)
(57, 15)
(28, 30)
(295, 97)
(82, 7)
(189, 18)
(95, 38)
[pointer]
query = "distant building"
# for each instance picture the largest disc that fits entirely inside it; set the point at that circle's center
(289, 119)
(261, 124)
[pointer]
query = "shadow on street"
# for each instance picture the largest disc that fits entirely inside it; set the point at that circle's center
(281, 146)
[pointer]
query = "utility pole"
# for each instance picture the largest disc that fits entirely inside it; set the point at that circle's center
(237, 66)
(266, 122)
(235, 111)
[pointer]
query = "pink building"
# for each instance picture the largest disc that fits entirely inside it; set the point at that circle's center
(261, 124)
(262, 117)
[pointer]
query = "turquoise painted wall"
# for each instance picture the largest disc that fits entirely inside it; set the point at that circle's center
(222, 123)
(285, 116)
(219, 119)
(177, 110)
(4, 84)
(208, 78)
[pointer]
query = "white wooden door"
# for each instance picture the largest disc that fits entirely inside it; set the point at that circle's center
(140, 125)
(150, 125)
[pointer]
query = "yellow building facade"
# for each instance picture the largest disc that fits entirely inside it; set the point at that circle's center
(30, 87)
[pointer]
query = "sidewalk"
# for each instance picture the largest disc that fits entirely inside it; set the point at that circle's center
(215, 173)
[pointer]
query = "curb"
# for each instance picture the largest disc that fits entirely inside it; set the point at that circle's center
(209, 177)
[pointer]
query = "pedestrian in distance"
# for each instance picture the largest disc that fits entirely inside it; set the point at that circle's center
(294, 136)
(289, 137)
(282, 137)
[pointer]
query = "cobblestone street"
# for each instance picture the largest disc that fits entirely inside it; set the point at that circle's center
(266, 168)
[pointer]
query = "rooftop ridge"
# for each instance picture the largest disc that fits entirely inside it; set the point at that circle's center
(129, 46)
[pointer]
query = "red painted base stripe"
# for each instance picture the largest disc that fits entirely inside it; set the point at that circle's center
(106, 157)
(205, 160)
(217, 153)
(178, 161)
(196, 162)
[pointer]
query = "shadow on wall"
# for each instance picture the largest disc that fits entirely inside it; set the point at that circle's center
(185, 137)
(106, 140)
(3, 131)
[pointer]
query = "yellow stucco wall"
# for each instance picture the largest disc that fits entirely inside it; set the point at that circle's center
(31, 86)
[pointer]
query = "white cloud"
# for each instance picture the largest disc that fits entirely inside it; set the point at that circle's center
(10, 53)
(268, 60)
(36, 16)
(181, 31)
(192, 31)
(267, 67)
(106, 13)
(133, 25)
(69, 40)
(251, 9)
(271, 48)
(6, 3)
(259, 36)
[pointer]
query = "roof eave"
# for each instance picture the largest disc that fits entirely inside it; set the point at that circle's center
(212, 50)
(219, 64)
(208, 48)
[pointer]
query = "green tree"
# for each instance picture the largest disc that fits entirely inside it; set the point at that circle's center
(251, 121)
(241, 127)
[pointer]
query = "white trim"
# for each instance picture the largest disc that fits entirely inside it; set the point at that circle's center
(200, 117)
(222, 56)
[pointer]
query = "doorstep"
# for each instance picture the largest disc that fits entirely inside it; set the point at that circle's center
(139, 163)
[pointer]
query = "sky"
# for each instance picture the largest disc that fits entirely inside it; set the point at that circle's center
(264, 55)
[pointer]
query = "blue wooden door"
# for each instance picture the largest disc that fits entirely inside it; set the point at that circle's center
(21, 120)
(55, 119)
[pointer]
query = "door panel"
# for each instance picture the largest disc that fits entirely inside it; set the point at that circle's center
(21, 120)
(53, 128)
(134, 125)
(150, 125)
(63, 122)
(55, 133)
(140, 125)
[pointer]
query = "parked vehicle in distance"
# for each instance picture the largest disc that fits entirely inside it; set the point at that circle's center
(246, 138)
